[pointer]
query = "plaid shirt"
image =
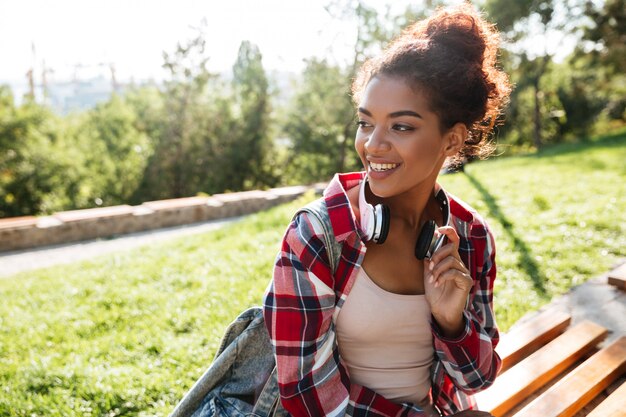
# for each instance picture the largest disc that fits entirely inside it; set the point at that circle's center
(304, 299)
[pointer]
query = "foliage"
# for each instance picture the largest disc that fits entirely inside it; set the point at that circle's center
(128, 333)
(116, 152)
(195, 134)
(181, 146)
(248, 151)
(606, 34)
(553, 101)
(39, 172)
(209, 138)
(320, 117)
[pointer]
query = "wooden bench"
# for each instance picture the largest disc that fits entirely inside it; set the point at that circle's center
(554, 369)
(617, 277)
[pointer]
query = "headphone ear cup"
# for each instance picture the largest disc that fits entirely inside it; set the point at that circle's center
(384, 227)
(424, 239)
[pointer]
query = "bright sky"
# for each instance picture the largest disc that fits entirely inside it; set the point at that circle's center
(133, 34)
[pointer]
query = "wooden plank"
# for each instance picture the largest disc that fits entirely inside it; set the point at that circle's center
(531, 335)
(617, 277)
(580, 386)
(613, 406)
(541, 367)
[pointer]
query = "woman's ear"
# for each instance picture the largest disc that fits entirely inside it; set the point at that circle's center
(455, 139)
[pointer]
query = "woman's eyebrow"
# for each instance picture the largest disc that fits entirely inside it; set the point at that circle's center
(365, 111)
(405, 113)
(394, 114)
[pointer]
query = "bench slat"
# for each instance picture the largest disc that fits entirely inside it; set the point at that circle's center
(511, 387)
(617, 277)
(581, 385)
(530, 336)
(613, 406)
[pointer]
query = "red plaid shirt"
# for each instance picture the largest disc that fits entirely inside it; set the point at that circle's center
(305, 297)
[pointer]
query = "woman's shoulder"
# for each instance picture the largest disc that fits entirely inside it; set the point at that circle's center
(463, 212)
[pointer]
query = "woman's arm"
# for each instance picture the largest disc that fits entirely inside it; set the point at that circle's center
(298, 310)
(469, 358)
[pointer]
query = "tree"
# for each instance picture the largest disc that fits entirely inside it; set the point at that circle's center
(520, 21)
(39, 171)
(316, 123)
(603, 53)
(172, 170)
(563, 94)
(250, 144)
(605, 35)
(116, 152)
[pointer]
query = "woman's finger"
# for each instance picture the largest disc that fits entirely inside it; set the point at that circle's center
(451, 234)
(460, 278)
(446, 250)
(446, 264)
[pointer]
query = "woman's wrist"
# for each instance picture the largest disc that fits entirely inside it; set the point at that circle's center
(450, 327)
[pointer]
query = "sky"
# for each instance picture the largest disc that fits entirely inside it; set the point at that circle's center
(81, 37)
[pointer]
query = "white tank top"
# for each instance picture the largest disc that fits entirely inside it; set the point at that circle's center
(386, 342)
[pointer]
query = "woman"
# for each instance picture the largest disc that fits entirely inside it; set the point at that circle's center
(391, 331)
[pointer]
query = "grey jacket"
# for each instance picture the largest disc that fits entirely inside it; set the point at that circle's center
(242, 381)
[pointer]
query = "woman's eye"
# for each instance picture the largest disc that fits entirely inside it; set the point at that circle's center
(402, 128)
(362, 124)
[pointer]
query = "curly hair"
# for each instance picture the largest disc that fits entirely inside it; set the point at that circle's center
(451, 58)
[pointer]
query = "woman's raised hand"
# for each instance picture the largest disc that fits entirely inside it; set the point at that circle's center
(447, 283)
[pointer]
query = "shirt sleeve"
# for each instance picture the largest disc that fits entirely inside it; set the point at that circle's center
(298, 310)
(470, 359)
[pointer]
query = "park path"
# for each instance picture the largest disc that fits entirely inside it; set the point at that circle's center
(29, 259)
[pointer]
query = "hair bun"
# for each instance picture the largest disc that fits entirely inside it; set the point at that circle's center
(460, 33)
(456, 29)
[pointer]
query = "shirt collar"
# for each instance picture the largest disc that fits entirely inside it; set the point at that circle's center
(339, 210)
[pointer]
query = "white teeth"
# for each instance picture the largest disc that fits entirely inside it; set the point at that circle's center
(382, 167)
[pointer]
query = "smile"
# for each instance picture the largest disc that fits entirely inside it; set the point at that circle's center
(382, 167)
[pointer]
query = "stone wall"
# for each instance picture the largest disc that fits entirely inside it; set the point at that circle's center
(72, 226)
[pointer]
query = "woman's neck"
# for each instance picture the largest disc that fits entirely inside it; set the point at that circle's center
(416, 205)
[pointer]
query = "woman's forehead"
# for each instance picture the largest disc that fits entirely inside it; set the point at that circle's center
(391, 94)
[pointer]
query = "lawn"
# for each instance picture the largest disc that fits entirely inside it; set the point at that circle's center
(128, 333)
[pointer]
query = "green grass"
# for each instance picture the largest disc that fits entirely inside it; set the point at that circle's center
(128, 333)
(559, 218)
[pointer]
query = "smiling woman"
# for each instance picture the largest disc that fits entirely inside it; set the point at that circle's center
(390, 329)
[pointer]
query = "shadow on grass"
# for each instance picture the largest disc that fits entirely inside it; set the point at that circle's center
(527, 262)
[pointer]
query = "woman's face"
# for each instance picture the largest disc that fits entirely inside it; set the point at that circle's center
(398, 138)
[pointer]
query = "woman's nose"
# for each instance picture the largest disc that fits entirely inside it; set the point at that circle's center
(377, 141)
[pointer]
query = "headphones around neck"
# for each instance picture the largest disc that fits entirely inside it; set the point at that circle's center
(375, 222)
